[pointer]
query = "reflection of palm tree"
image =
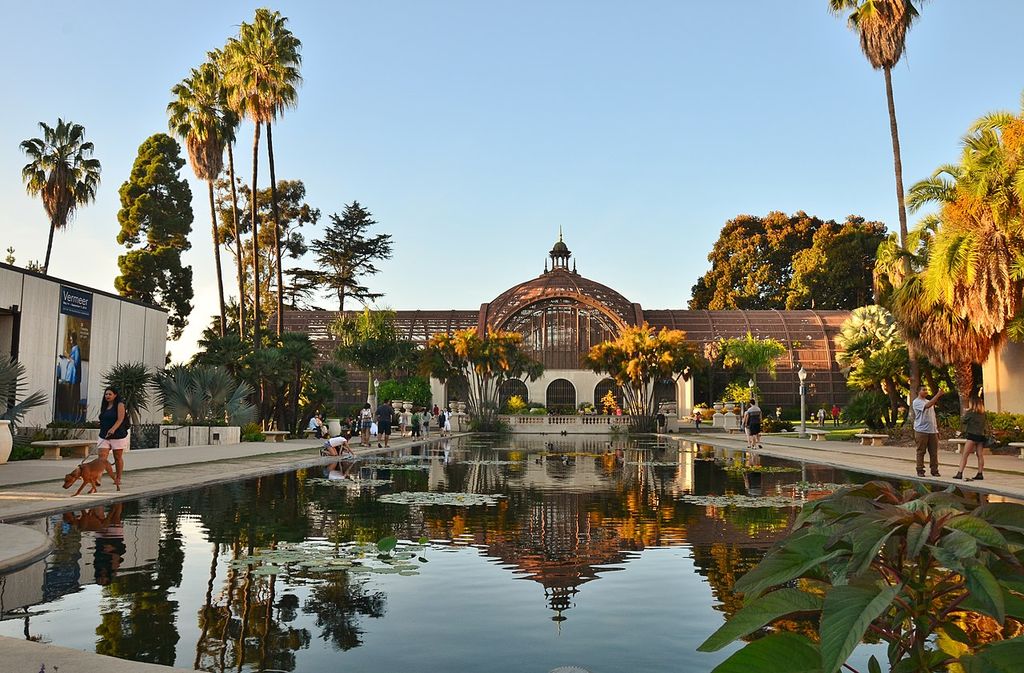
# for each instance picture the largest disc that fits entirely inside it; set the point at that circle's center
(337, 603)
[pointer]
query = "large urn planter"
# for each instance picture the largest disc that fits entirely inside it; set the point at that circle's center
(6, 441)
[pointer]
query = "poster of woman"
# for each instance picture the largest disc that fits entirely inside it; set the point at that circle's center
(74, 320)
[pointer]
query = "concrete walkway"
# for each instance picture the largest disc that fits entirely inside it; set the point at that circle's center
(1004, 475)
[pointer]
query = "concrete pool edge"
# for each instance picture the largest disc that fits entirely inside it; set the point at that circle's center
(27, 655)
(21, 547)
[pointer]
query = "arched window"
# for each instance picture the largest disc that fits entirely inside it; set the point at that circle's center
(664, 391)
(604, 387)
(559, 332)
(508, 389)
(561, 396)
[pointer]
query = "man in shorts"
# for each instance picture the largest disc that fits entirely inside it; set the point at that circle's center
(752, 424)
(385, 414)
(926, 430)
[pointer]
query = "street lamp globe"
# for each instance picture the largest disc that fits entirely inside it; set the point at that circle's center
(802, 374)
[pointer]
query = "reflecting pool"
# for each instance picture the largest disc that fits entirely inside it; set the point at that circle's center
(612, 557)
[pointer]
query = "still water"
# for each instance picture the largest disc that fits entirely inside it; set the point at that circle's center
(605, 557)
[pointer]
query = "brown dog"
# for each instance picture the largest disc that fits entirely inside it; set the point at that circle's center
(89, 472)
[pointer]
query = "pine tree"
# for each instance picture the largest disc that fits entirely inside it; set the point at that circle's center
(156, 219)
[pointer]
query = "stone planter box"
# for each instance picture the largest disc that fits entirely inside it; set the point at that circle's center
(198, 435)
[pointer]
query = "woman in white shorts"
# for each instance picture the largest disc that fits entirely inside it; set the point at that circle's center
(114, 427)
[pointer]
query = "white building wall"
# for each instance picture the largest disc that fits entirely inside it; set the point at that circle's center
(121, 331)
(37, 348)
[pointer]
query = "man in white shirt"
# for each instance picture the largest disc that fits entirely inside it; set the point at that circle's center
(926, 430)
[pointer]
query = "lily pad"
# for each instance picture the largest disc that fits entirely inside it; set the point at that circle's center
(748, 501)
(440, 498)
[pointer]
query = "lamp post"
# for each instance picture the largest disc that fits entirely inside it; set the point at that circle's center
(751, 384)
(376, 384)
(802, 375)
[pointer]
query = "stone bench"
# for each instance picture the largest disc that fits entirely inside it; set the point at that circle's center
(308, 434)
(51, 448)
(273, 436)
(816, 435)
(1018, 445)
(958, 444)
(867, 439)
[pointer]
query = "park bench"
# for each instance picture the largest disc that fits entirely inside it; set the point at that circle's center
(272, 436)
(868, 439)
(309, 434)
(735, 430)
(816, 435)
(1018, 445)
(51, 447)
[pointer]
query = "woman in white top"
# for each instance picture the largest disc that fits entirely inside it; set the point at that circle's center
(448, 422)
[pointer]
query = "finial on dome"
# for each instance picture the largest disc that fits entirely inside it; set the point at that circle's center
(560, 234)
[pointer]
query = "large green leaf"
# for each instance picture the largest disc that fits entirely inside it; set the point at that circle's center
(1013, 603)
(1006, 515)
(917, 536)
(778, 653)
(979, 529)
(760, 612)
(795, 557)
(866, 543)
(985, 594)
(1002, 657)
(846, 614)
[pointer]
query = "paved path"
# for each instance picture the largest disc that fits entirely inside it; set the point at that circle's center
(1004, 475)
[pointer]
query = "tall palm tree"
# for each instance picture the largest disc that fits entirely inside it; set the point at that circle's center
(62, 172)
(882, 26)
(262, 72)
(197, 116)
(216, 57)
(753, 354)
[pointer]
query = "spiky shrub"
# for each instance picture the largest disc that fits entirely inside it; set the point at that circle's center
(14, 403)
(203, 395)
(134, 381)
(933, 574)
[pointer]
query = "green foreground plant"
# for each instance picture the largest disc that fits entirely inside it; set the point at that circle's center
(15, 403)
(934, 575)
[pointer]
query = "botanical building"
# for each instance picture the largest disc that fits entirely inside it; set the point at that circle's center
(561, 314)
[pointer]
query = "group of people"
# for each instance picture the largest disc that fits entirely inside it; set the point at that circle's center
(822, 415)
(380, 423)
(926, 433)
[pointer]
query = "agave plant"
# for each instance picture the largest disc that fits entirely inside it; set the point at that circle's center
(134, 382)
(12, 387)
(199, 394)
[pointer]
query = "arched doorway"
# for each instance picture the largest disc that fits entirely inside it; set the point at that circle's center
(457, 389)
(561, 396)
(604, 387)
(508, 389)
(664, 392)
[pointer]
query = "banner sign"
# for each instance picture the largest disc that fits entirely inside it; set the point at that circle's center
(74, 335)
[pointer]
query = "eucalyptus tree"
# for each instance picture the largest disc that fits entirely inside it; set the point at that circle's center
(262, 73)
(199, 116)
(62, 172)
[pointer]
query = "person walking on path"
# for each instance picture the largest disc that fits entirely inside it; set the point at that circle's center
(752, 424)
(821, 417)
(447, 422)
(697, 418)
(835, 415)
(365, 421)
(114, 426)
(926, 430)
(425, 422)
(974, 426)
(385, 414)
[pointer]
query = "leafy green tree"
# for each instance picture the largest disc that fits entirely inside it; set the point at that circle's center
(753, 354)
(369, 340)
(486, 361)
(346, 254)
(156, 218)
(262, 73)
(62, 172)
(199, 115)
(135, 383)
(14, 403)
(936, 576)
(293, 213)
(751, 262)
(836, 271)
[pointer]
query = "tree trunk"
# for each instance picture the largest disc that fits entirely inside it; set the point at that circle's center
(256, 315)
(277, 231)
(216, 257)
(915, 370)
(238, 244)
(49, 247)
(963, 373)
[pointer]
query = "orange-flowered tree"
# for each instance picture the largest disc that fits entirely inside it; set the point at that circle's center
(638, 358)
(486, 361)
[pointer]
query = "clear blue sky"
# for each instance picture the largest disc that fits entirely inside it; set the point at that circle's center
(473, 130)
